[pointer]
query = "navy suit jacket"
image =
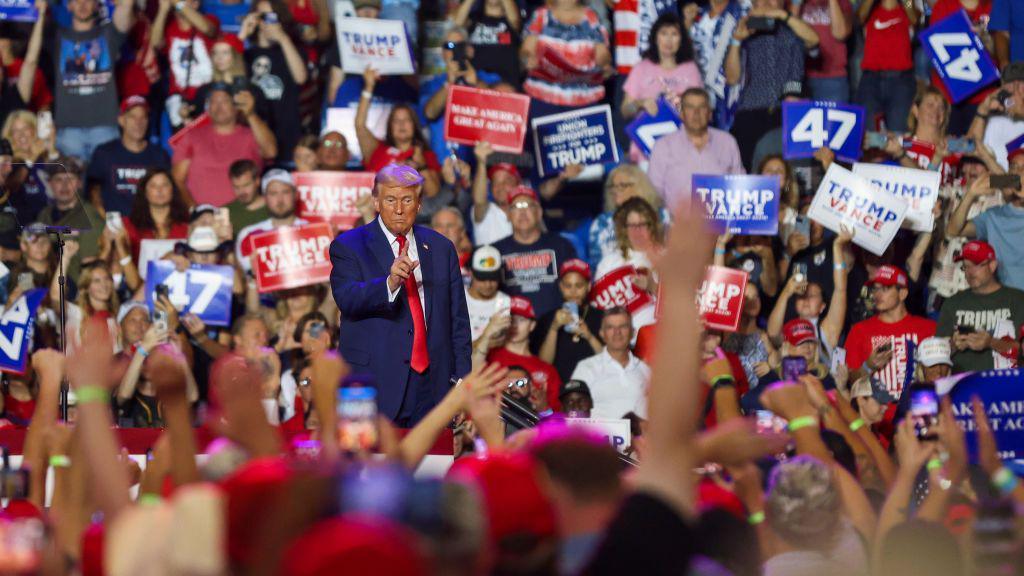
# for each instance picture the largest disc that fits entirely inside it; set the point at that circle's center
(376, 335)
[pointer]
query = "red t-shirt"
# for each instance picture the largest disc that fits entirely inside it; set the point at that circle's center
(385, 155)
(868, 335)
(189, 56)
(210, 154)
(887, 40)
(979, 16)
(831, 62)
(541, 373)
(179, 231)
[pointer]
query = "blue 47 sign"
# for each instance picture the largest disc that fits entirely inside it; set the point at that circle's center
(959, 57)
(16, 327)
(807, 126)
(645, 130)
(202, 289)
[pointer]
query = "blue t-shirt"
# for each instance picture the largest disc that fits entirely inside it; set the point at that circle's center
(1008, 16)
(1003, 227)
(230, 15)
(427, 91)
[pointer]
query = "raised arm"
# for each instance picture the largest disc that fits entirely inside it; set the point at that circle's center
(367, 141)
(482, 150)
(27, 75)
(832, 324)
(958, 224)
(124, 16)
(167, 370)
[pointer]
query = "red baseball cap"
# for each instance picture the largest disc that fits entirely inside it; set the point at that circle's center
(976, 251)
(133, 101)
(889, 276)
(353, 545)
(234, 41)
(522, 307)
(797, 331)
(253, 488)
(512, 497)
(1013, 154)
(522, 191)
(575, 265)
(505, 167)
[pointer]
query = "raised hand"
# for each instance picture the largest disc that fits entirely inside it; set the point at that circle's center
(402, 268)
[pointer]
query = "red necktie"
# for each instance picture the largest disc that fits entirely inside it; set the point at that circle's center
(420, 358)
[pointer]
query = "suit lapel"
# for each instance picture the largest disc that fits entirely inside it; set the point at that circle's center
(427, 269)
(378, 245)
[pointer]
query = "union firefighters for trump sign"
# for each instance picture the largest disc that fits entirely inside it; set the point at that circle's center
(291, 257)
(616, 289)
(873, 213)
(331, 196)
(720, 299)
(475, 115)
(575, 137)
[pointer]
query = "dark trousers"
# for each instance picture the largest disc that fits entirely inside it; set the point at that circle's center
(748, 128)
(888, 94)
(418, 399)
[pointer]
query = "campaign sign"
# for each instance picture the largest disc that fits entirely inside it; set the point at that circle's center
(920, 188)
(739, 204)
(1002, 394)
(331, 196)
(476, 115)
(720, 299)
(807, 126)
(873, 213)
(645, 129)
(958, 56)
(581, 136)
(152, 249)
(380, 44)
(616, 289)
(202, 289)
(615, 430)
(18, 11)
(291, 257)
(16, 327)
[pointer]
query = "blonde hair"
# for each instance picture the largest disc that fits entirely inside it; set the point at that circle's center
(84, 280)
(30, 119)
(643, 185)
(237, 68)
(926, 91)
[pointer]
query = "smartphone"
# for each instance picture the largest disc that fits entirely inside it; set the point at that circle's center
(357, 418)
(924, 410)
(1005, 98)
(874, 140)
(114, 221)
(793, 367)
(1005, 181)
(802, 225)
(761, 24)
(885, 347)
(768, 422)
(960, 146)
(316, 329)
(574, 309)
(160, 318)
(26, 281)
(458, 50)
(223, 216)
(964, 329)
(800, 272)
(239, 84)
(44, 125)
(269, 17)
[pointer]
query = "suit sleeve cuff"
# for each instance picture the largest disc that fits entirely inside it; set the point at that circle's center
(392, 295)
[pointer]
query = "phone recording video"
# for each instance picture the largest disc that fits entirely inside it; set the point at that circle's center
(357, 418)
(1005, 181)
(793, 367)
(924, 410)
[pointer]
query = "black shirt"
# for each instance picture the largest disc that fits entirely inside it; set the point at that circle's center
(532, 270)
(569, 349)
(646, 537)
(269, 70)
(495, 47)
(118, 170)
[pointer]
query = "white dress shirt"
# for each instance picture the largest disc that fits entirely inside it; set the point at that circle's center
(414, 255)
(616, 389)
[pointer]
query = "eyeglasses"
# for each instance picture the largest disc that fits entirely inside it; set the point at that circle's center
(638, 225)
(519, 384)
(622, 186)
(521, 205)
(332, 144)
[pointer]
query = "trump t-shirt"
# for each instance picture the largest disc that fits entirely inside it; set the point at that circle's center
(872, 333)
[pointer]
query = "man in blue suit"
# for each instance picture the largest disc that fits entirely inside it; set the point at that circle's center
(403, 308)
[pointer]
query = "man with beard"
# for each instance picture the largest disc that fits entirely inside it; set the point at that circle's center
(279, 193)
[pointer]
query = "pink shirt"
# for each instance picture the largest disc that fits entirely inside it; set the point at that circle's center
(650, 80)
(211, 154)
(675, 160)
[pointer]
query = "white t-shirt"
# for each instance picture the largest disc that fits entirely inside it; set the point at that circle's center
(493, 227)
(998, 133)
(481, 311)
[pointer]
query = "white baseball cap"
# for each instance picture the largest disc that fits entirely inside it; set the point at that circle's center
(933, 351)
(276, 175)
(203, 239)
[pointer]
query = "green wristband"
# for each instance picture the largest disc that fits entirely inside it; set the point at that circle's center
(89, 394)
(933, 464)
(60, 461)
(149, 499)
(801, 422)
(723, 380)
(755, 518)
(857, 424)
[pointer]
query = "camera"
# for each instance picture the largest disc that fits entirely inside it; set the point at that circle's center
(761, 24)
(458, 50)
(270, 17)
(924, 410)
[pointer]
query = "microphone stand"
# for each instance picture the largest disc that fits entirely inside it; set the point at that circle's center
(63, 319)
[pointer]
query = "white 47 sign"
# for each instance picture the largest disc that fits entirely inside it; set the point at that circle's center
(962, 66)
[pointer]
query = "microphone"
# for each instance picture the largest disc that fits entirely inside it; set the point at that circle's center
(48, 229)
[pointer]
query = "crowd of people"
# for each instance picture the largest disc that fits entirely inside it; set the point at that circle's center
(187, 121)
